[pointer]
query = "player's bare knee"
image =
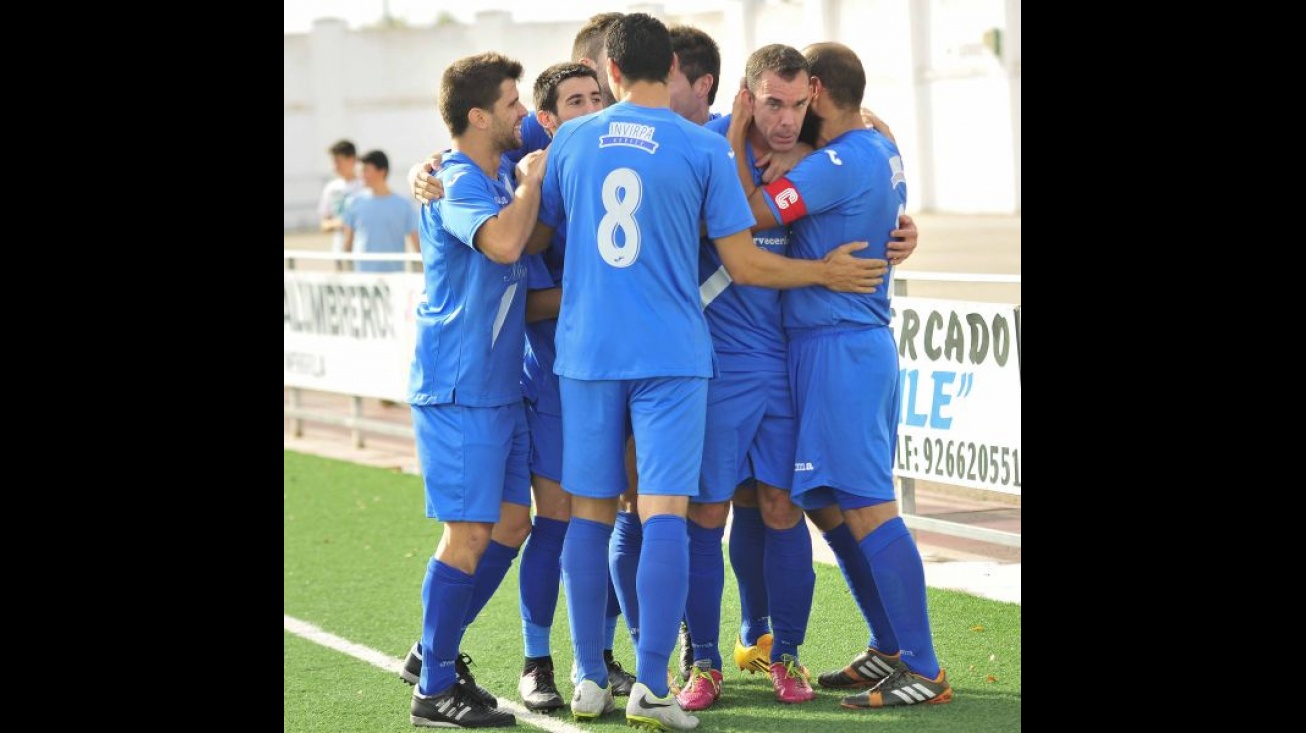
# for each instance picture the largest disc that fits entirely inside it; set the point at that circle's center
(513, 526)
(709, 516)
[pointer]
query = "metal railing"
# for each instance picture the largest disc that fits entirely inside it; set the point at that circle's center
(291, 256)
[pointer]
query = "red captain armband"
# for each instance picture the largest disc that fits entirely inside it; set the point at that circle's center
(787, 200)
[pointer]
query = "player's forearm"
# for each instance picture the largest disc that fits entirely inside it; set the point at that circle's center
(541, 237)
(762, 216)
(541, 305)
(737, 134)
(769, 270)
(504, 238)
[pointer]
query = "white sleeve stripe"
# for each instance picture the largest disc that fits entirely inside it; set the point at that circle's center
(505, 302)
(714, 286)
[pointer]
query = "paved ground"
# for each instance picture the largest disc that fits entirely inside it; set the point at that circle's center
(948, 243)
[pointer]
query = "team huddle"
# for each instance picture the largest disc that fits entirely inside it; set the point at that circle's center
(704, 307)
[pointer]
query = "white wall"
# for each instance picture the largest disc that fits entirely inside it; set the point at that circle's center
(954, 107)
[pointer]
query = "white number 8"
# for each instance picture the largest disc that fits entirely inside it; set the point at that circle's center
(620, 213)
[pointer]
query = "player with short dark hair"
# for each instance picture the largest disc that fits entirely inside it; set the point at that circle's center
(843, 364)
(694, 86)
(464, 387)
(631, 185)
(562, 92)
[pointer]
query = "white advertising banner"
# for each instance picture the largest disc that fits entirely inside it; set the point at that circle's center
(959, 373)
(350, 332)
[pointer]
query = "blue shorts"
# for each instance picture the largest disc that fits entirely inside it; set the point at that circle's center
(473, 458)
(546, 443)
(667, 416)
(846, 394)
(750, 434)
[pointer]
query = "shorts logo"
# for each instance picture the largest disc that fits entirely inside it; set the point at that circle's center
(803, 466)
(786, 198)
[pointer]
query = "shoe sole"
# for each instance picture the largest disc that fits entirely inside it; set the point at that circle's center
(643, 723)
(939, 699)
(795, 702)
(545, 707)
(849, 686)
(428, 723)
(697, 709)
(591, 716)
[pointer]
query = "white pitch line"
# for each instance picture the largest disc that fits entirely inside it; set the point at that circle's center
(305, 630)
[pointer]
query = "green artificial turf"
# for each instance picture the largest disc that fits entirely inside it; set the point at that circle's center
(356, 545)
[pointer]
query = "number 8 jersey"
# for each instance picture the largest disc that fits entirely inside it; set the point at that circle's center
(631, 185)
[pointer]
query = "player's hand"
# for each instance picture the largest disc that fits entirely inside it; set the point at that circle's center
(873, 121)
(531, 167)
(775, 164)
(904, 240)
(742, 111)
(427, 188)
(846, 273)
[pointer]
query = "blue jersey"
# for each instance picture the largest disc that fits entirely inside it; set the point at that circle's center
(747, 332)
(539, 383)
(471, 327)
(631, 185)
(850, 190)
(533, 136)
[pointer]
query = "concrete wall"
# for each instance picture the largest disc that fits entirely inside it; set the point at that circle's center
(954, 106)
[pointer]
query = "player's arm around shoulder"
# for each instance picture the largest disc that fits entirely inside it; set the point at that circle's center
(839, 270)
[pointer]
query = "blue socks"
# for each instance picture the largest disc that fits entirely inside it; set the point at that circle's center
(585, 576)
(446, 596)
(663, 571)
(791, 582)
(614, 612)
(747, 543)
(490, 570)
(623, 561)
(707, 577)
(862, 584)
(900, 576)
(540, 572)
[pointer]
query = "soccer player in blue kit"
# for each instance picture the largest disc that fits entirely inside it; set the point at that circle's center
(631, 185)
(750, 436)
(749, 447)
(843, 364)
(563, 92)
(464, 385)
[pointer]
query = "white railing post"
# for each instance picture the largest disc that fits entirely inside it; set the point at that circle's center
(906, 486)
(356, 412)
(296, 424)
